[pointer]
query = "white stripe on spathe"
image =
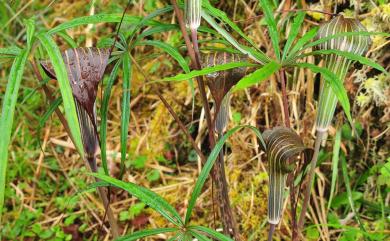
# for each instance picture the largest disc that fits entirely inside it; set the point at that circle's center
(339, 65)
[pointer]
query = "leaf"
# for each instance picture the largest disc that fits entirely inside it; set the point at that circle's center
(125, 116)
(271, 24)
(198, 236)
(215, 12)
(208, 70)
(30, 31)
(349, 192)
(209, 164)
(7, 115)
(335, 162)
(258, 76)
(351, 56)
(9, 52)
(157, 29)
(94, 19)
(258, 57)
(103, 115)
(147, 18)
(153, 200)
(282, 145)
(335, 83)
(301, 42)
(145, 233)
(67, 39)
(344, 34)
(173, 52)
(211, 233)
(296, 26)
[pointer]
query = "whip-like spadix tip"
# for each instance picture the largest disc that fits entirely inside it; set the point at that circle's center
(283, 145)
(356, 44)
(85, 68)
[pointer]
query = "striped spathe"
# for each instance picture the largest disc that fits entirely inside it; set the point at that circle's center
(339, 65)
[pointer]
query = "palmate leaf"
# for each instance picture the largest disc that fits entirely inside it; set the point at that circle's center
(258, 75)
(271, 24)
(282, 144)
(145, 233)
(150, 198)
(335, 83)
(208, 70)
(209, 164)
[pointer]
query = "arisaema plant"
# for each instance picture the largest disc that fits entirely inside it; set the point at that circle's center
(78, 71)
(291, 56)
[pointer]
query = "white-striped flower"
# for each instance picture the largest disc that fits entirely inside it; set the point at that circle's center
(193, 10)
(282, 146)
(339, 65)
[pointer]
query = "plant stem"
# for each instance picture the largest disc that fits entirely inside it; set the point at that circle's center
(284, 98)
(103, 195)
(271, 231)
(195, 59)
(182, 127)
(306, 198)
(291, 175)
(228, 221)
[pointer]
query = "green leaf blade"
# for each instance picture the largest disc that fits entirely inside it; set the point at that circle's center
(7, 115)
(271, 24)
(336, 84)
(147, 196)
(125, 117)
(66, 91)
(145, 233)
(104, 113)
(296, 26)
(257, 76)
(208, 70)
(209, 164)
